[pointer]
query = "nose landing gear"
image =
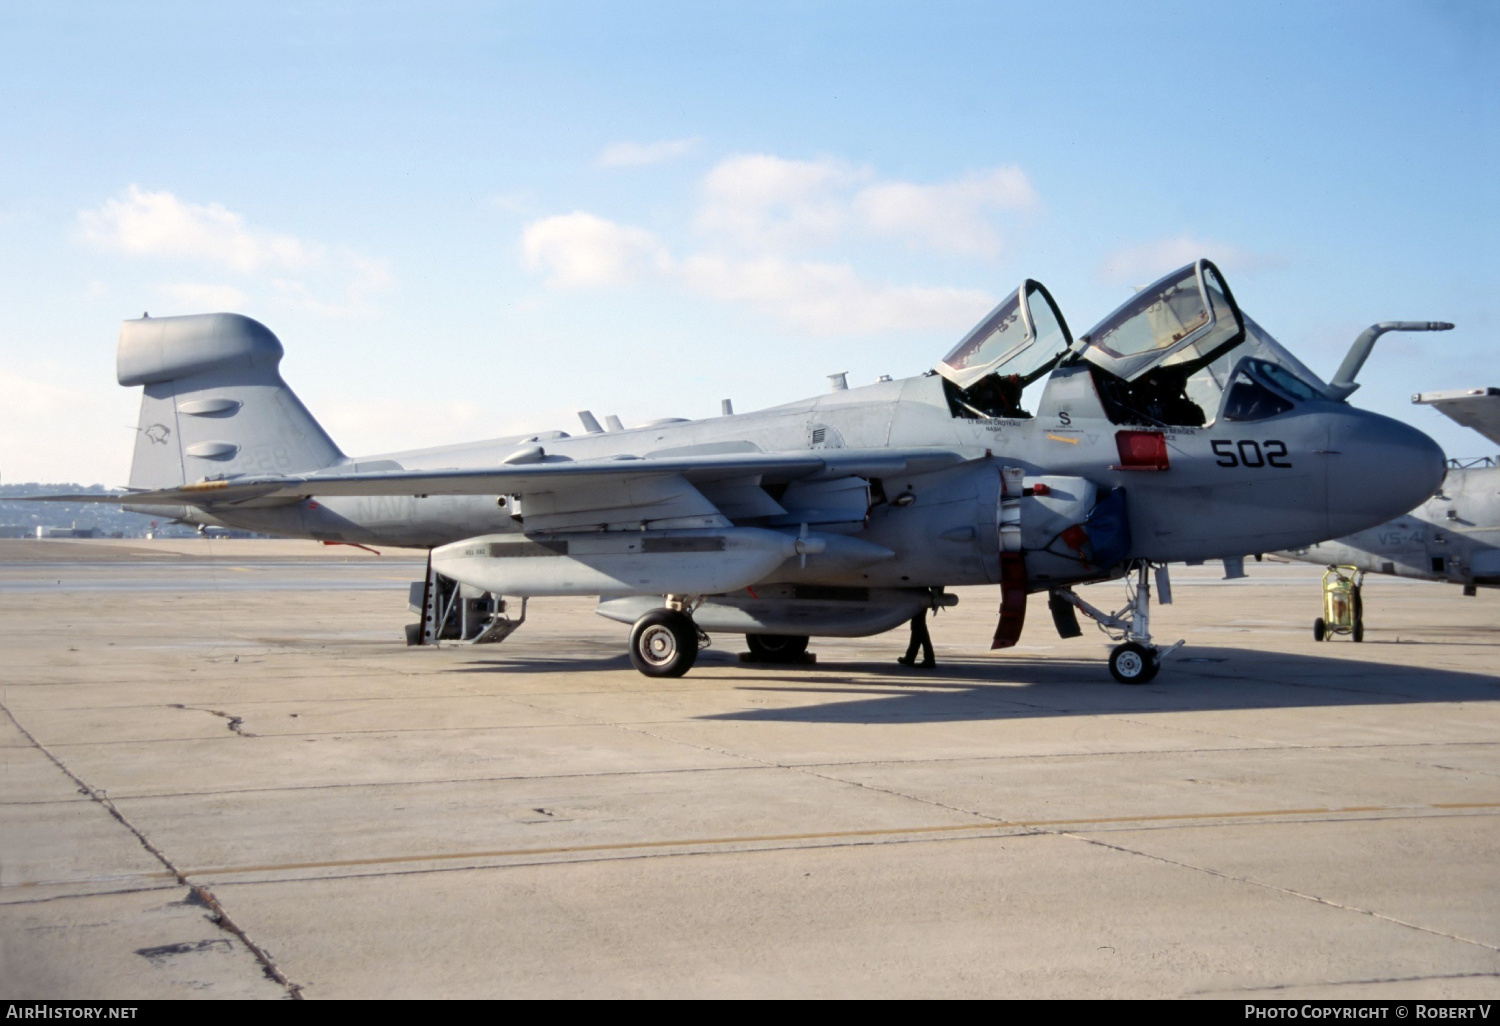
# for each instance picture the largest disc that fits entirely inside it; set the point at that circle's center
(1132, 663)
(1136, 660)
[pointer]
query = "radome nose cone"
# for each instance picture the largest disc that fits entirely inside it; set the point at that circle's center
(1382, 469)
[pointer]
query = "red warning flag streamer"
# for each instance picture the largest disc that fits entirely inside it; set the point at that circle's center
(1012, 600)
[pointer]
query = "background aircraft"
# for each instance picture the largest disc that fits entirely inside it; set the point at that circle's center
(1453, 536)
(1175, 429)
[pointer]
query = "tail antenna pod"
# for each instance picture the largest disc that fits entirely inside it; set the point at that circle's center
(1343, 384)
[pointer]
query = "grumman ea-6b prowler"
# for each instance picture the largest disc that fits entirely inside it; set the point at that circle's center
(1452, 537)
(1175, 430)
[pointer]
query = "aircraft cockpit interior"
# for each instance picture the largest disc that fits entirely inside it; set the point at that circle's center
(1017, 343)
(1179, 353)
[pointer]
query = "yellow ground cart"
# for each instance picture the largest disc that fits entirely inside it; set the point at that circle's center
(1343, 607)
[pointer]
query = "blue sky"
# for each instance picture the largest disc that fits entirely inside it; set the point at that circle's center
(468, 219)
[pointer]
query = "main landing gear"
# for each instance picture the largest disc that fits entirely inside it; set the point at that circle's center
(1135, 660)
(777, 648)
(665, 642)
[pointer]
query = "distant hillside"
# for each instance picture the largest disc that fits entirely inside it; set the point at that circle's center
(19, 519)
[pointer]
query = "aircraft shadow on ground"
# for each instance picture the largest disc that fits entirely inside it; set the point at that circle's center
(1010, 687)
(547, 664)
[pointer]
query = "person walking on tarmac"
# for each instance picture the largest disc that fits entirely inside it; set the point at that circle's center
(919, 639)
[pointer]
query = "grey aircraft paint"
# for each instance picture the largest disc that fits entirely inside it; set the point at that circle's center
(1176, 430)
(1452, 537)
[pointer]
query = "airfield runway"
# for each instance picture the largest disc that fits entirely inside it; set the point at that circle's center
(222, 774)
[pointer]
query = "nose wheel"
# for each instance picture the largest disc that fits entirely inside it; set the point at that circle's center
(1131, 663)
(1136, 660)
(664, 643)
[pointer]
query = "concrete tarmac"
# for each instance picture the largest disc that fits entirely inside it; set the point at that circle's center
(222, 774)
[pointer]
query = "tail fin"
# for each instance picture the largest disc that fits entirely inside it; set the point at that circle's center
(215, 404)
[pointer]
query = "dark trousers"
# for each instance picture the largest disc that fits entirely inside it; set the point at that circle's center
(920, 639)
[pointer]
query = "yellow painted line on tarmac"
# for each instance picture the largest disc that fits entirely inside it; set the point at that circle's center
(832, 835)
(160, 874)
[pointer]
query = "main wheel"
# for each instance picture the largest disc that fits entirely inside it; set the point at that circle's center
(1359, 630)
(1132, 663)
(776, 648)
(1320, 629)
(664, 643)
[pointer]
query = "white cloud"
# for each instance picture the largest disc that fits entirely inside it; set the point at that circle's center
(370, 424)
(143, 223)
(950, 216)
(831, 299)
(769, 202)
(329, 279)
(1143, 264)
(26, 397)
(205, 297)
(52, 430)
(761, 201)
(633, 154)
(756, 210)
(579, 250)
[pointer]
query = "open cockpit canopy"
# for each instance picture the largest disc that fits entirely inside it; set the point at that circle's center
(1019, 341)
(1024, 336)
(1168, 355)
(1184, 320)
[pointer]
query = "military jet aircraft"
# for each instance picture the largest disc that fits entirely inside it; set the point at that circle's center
(1175, 429)
(1453, 536)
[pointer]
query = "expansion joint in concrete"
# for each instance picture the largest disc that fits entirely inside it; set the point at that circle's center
(1290, 892)
(198, 892)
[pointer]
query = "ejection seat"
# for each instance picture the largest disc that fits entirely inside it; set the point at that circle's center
(1151, 358)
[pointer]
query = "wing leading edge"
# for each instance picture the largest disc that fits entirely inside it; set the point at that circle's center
(535, 477)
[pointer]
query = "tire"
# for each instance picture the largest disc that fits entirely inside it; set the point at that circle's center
(776, 648)
(664, 643)
(413, 634)
(1359, 630)
(1320, 629)
(1133, 664)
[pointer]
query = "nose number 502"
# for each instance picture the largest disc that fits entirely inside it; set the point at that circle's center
(1271, 453)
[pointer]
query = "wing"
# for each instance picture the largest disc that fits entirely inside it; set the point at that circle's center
(1477, 408)
(561, 490)
(113, 498)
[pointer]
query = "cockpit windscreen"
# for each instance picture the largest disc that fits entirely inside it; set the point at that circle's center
(1182, 321)
(1016, 344)
(1022, 337)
